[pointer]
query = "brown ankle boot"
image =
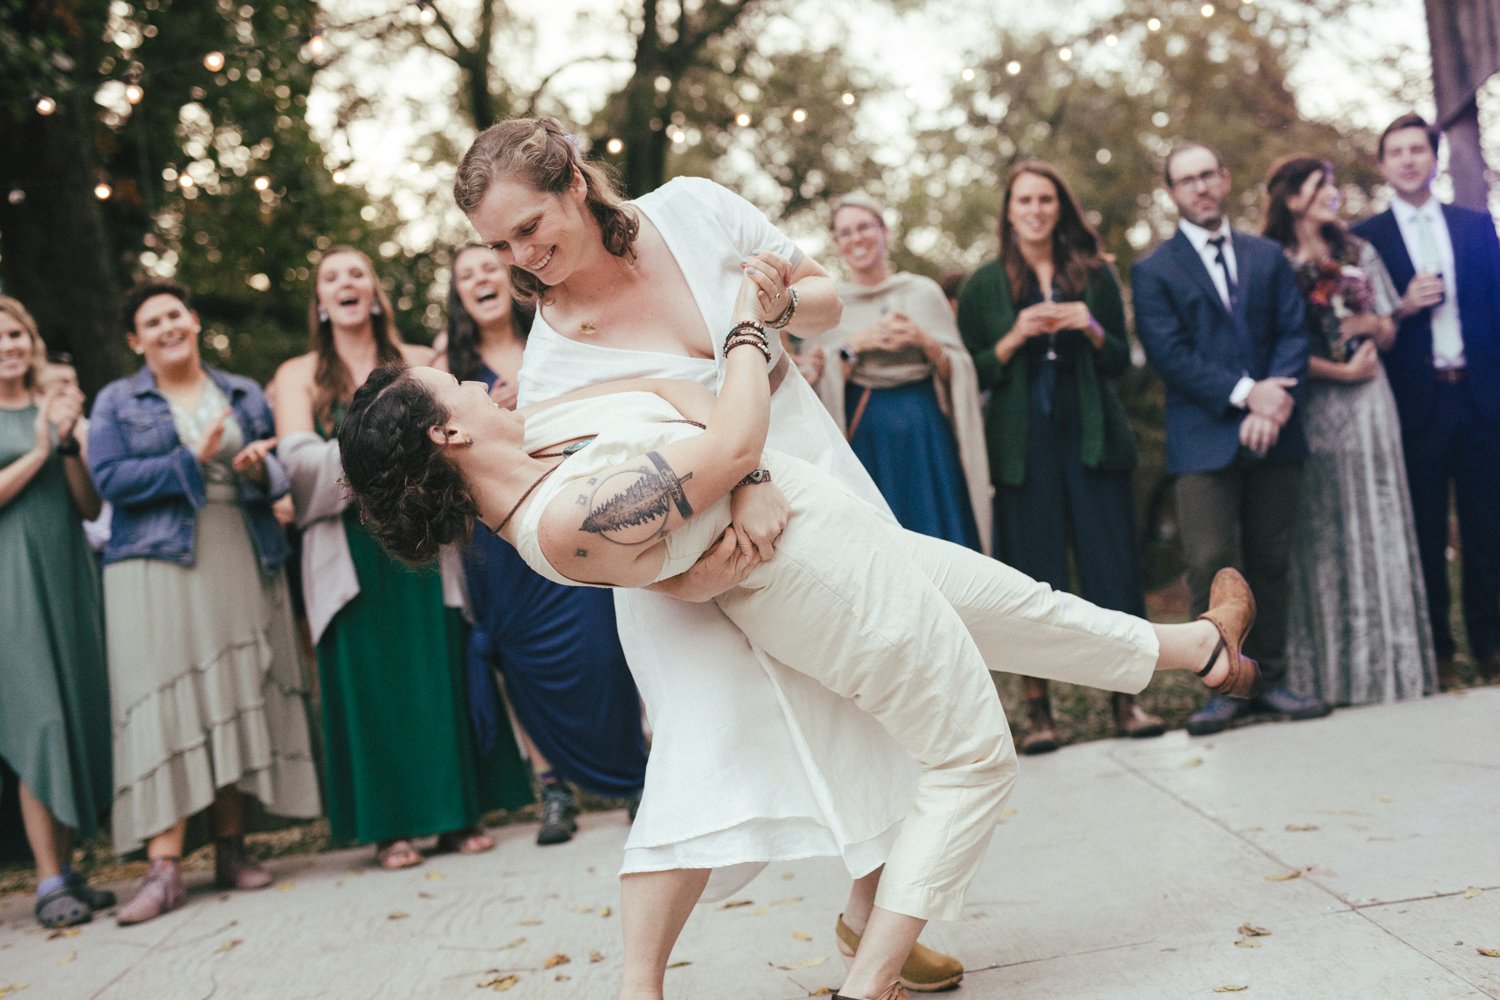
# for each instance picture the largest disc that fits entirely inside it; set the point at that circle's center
(234, 868)
(1043, 737)
(160, 892)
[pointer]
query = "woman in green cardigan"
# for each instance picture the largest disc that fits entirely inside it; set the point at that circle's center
(1046, 325)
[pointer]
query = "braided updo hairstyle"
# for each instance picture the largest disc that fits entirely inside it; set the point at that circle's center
(411, 497)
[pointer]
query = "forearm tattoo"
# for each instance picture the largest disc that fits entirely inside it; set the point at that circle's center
(635, 511)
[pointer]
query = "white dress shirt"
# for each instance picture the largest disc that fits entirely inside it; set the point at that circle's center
(1447, 333)
(1199, 238)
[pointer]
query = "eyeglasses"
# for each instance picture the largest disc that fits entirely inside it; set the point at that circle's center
(1202, 180)
(863, 229)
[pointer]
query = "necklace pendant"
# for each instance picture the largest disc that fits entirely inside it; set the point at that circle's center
(587, 329)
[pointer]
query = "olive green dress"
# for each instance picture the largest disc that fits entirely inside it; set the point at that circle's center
(399, 756)
(54, 690)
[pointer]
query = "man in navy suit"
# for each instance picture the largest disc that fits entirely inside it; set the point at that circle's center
(1444, 370)
(1220, 316)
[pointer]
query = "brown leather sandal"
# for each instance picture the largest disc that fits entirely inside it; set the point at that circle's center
(1231, 610)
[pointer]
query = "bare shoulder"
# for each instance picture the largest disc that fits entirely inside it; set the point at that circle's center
(297, 371)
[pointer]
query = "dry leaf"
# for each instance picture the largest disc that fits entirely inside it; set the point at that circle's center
(1250, 930)
(500, 983)
(583, 908)
(435, 876)
(1247, 943)
(397, 915)
(514, 944)
(67, 959)
(596, 956)
(607, 912)
(6, 991)
(1472, 891)
(822, 991)
(1230, 989)
(530, 922)
(787, 901)
(806, 963)
(787, 876)
(229, 945)
(800, 936)
(561, 977)
(425, 895)
(731, 904)
(1192, 762)
(1384, 798)
(678, 965)
(1284, 876)
(61, 933)
(556, 960)
(1300, 827)
(1489, 952)
(289, 884)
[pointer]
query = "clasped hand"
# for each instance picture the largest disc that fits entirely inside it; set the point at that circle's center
(890, 332)
(58, 413)
(1050, 317)
(760, 513)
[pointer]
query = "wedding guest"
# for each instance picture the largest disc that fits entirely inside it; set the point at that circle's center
(906, 393)
(54, 721)
(207, 684)
(565, 676)
(1046, 325)
(952, 283)
(1357, 627)
(1221, 318)
(399, 760)
(1444, 370)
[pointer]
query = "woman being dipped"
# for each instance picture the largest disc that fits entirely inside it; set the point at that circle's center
(565, 675)
(1045, 323)
(399, 759)
(54, 702)
(906, 391)
(207, 682)
(624, 486)
(1357, 631)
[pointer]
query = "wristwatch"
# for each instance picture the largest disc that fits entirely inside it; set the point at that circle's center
(755, 476)
(69, 448)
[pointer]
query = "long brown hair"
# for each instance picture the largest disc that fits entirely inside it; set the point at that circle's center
(331, 379)
(1285, 181)
(541, 152)
(1077, 249)
(13, 308)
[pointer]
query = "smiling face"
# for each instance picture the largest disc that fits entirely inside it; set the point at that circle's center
(1317, 200)
(1408, 163)
(482, 282)
(166, 334)
(1199, 186)
(1033, 209)
(17, 350)
(860, 236)
(346, 289)
(548, 235)
(470, 407)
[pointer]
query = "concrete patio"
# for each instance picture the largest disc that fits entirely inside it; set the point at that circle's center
(1356, 856)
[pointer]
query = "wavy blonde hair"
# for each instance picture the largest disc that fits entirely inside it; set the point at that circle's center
(13, 308)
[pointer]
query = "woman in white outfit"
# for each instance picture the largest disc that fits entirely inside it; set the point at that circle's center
(622, 486)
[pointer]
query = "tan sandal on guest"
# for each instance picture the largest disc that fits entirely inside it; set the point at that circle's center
(471, 841)
(924, 971)
(394, 855)
(1231, 610)
(891, 992)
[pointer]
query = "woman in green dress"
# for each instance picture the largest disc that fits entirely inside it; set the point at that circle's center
(399, 758)
(54, 729)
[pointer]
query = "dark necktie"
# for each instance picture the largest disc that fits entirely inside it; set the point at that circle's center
(1234, 290)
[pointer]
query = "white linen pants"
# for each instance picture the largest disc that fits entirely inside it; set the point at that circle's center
(900, 624)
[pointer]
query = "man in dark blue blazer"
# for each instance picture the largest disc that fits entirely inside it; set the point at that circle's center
(1444, 370)
(1221, 318)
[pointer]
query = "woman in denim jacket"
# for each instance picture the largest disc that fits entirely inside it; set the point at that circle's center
(207, 680)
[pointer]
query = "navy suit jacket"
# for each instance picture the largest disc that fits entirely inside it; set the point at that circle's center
(1201, 351)
(1408, 364)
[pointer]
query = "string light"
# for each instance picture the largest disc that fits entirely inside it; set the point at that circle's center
(967, 74)
(799, 116)
(338, 175)
(742, 120)
(16, 196)
(214, 61)
(45, 105)
(1013, 68)
(1207, 10)
(615, 146)
(316, 43)
(261, 183)
(102, 190)
(1154, 24)
(1065, 53)
(848, 99)
(1111, 40)
(133, 92)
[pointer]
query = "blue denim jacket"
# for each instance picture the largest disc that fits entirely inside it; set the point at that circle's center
(153, 481)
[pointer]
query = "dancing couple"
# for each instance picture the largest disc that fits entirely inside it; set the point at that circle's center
(770, 599)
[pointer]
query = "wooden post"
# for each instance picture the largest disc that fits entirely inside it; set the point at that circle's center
(1465, 39)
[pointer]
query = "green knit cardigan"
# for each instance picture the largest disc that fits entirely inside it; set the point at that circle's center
(986, 313)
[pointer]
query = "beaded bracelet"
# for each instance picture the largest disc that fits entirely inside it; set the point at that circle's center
(747, 327)
(784, 320)
(742, 341)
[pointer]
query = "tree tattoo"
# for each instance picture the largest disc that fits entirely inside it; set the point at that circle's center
(637, 514)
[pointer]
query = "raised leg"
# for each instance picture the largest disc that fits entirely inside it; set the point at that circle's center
(654, 906)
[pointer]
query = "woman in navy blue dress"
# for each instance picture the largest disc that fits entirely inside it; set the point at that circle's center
(556, 647)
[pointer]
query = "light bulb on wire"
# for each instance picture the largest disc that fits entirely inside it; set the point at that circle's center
(134, 93)
(214, 61)
(45, 105)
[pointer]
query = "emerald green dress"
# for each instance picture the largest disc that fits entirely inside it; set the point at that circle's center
(399, 756)
(54, 690)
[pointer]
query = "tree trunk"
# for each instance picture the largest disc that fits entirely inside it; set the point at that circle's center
(1465, 39)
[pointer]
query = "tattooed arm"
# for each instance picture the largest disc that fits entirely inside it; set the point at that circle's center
(608, 529)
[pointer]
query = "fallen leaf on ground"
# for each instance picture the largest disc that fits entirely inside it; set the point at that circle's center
(806, 963)
(787, 901)
(67, 959)
(607, 912)
(731, 904)
(556, 960)
(583, 908)
(229, 945)
(435, 876)
(425, 895)
(561, 977)
(1472, 891)
(513, 944)
(787, 876)
(1250, 930)
(1247, 943)
(678, 965)
(530, 922)
(1384, 798)
(1300, 827)
(822, 991)
(397, 915)
(1284, 876)
(286, 886)
(1192, 762)
(596, 956)
(1230, 989)
(63, 932)
(800, 936)
(1489, 952)
(500, 983)
(6, 991)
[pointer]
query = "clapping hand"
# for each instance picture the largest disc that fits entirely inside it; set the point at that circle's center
(215, 437)
(251, 461)
(63, 406)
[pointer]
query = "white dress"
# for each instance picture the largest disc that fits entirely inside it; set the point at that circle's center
(746, 766)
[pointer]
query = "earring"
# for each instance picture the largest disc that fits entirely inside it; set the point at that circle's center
(375, 309)
(322, 314)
